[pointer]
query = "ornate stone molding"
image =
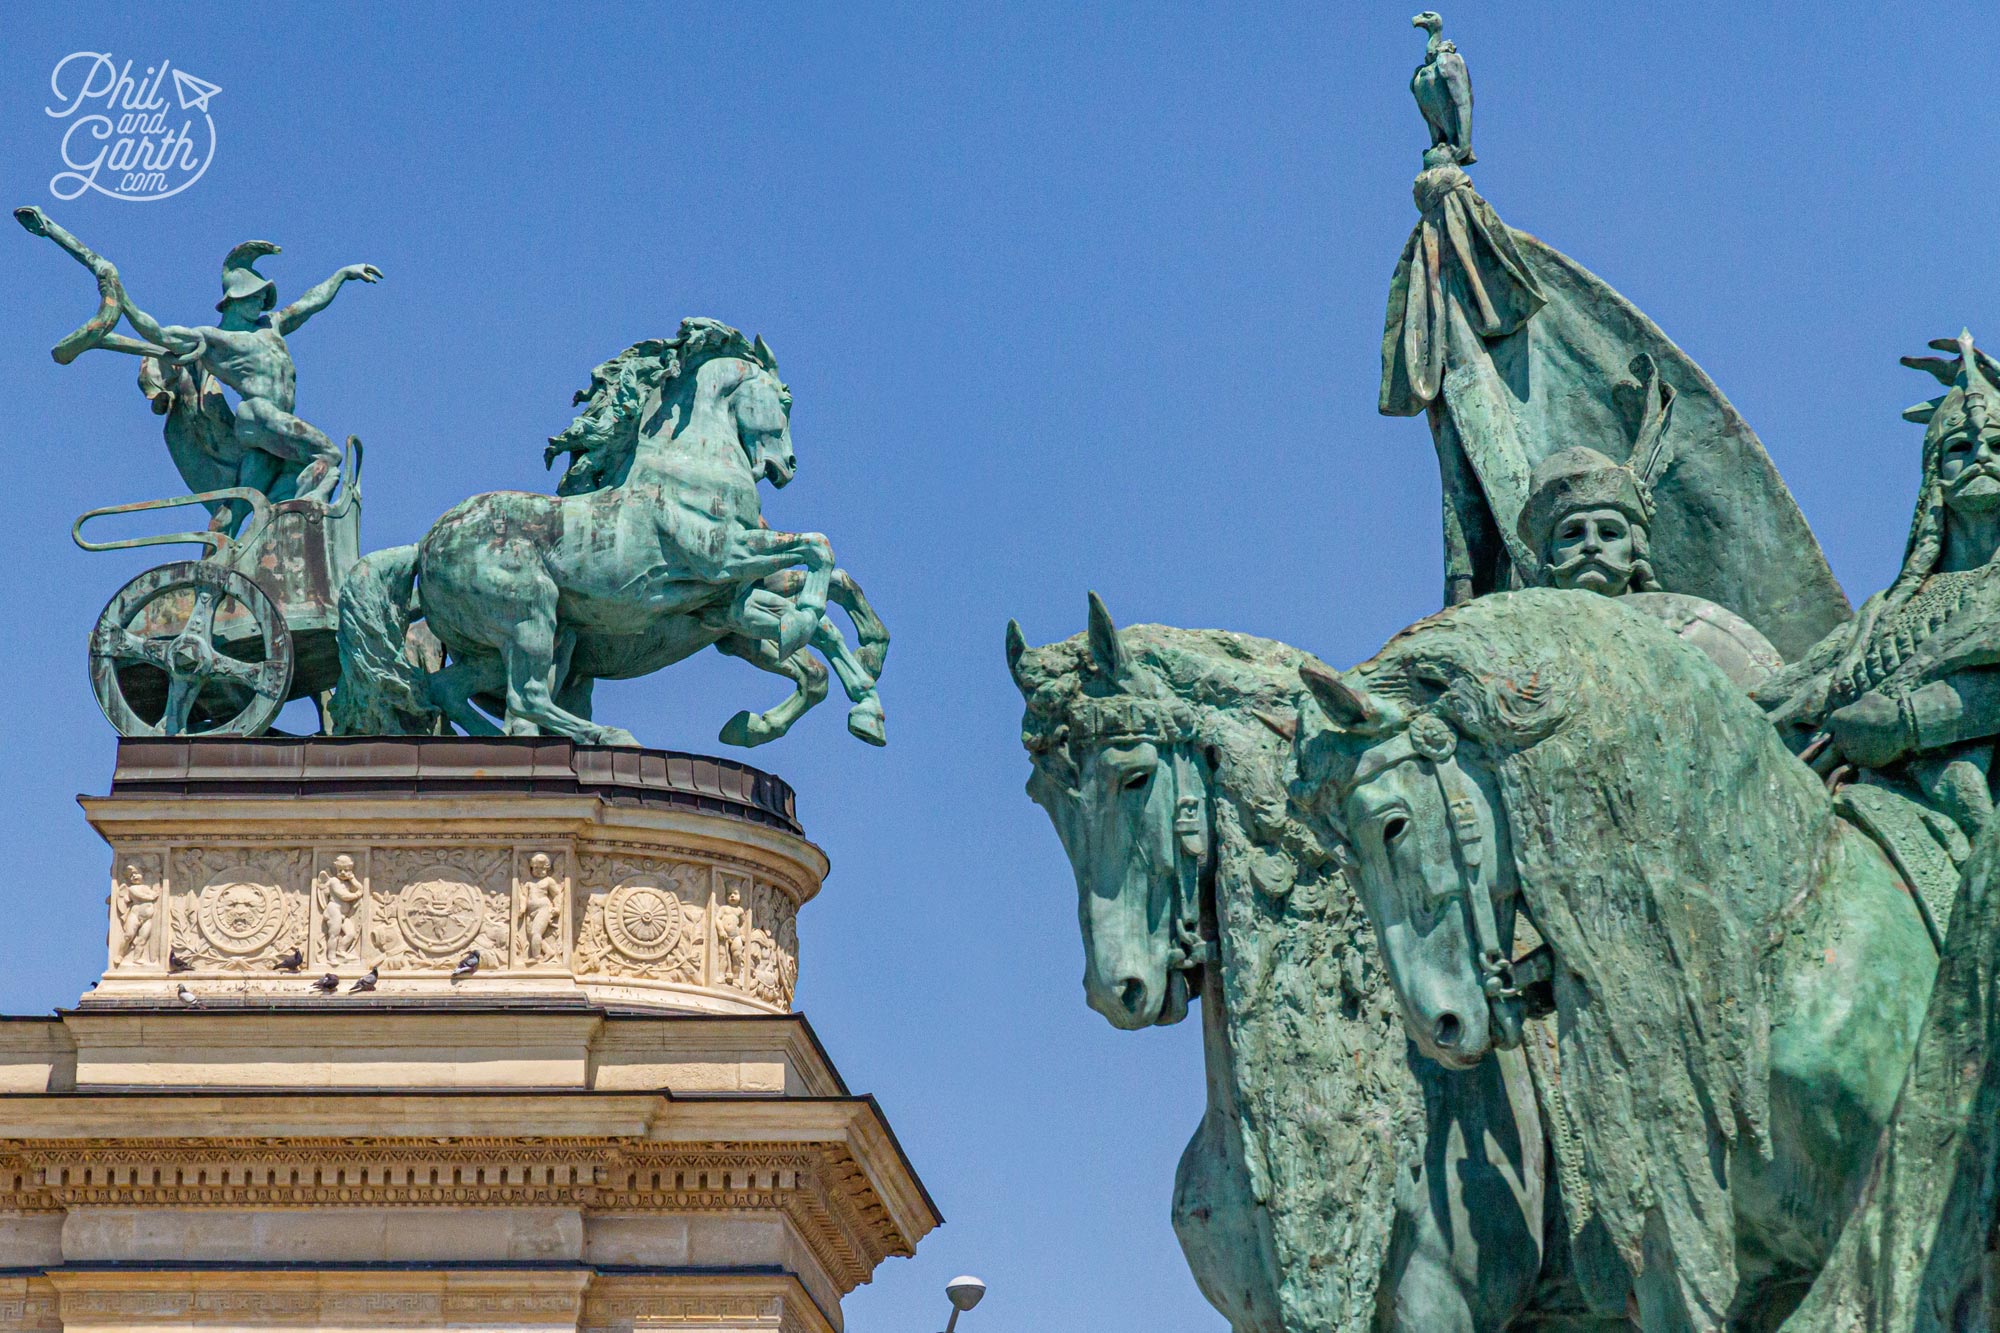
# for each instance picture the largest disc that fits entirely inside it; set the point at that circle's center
(243, 905)
(818, 1187)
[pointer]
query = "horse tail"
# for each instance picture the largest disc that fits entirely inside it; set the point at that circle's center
(382, 692)
(872, 636)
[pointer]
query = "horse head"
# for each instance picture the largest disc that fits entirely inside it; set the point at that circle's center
(1430, 860)
(1123, 777)
(1401, 765)
(708, 385)
(761, 407)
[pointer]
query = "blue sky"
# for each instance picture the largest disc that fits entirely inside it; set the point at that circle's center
(1069, 297)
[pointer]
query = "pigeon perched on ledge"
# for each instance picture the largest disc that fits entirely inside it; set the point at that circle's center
(366, 981)
(290, 962)
(466, 966)
(327, 984)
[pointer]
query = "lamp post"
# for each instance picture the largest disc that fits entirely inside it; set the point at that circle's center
(963, 1293)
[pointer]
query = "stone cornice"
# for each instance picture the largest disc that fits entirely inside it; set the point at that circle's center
(818, 1185)
(828, 1163)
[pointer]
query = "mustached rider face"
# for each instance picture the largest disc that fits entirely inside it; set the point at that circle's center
(1970, 465)
(1592, 550)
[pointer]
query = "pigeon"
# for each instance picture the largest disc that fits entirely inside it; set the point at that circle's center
(291, 962)
(366, 981)
(327, 984)
(176, 963)
(187, 996)
(466, 966)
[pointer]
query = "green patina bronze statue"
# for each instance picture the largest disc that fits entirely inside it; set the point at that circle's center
(1702, 1009)
(1588, 523)
(504, 616)
(1911, 686)
(1736, 973)
(1330, 1174)
(261, 444)
(1514, 352)
(655, 549)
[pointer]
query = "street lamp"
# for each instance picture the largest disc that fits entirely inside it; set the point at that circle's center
(964, 1293)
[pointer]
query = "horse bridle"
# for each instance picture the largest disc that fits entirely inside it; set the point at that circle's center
(1516, 989)
(1125, 719)
(1192, 949)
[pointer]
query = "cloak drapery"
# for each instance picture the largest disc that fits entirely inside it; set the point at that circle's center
(1516, 351)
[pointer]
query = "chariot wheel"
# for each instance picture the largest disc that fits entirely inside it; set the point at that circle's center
(191, 649)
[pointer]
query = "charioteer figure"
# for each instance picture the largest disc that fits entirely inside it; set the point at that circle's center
(1908, 692)
(262, 443)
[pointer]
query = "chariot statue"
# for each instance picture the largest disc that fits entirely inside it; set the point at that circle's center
(509, 610)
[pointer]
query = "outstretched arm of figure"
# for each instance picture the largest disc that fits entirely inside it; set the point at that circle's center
(1879, 729)
(319, 298)
(1964, 706)
(181, 345)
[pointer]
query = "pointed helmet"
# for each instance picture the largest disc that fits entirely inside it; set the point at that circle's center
(240, 277)
(1972, 381)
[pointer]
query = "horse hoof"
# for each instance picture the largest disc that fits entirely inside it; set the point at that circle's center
(617, 736)
(745, 729)
(865, 721)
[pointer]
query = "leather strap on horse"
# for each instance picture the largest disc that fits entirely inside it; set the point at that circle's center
(1193, 841)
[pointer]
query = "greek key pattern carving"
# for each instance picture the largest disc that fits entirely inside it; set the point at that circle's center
(615, 1314)
(433, 905)
(35, 1310)
(235, 909)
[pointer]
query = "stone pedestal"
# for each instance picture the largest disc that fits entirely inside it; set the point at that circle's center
(442, 1033)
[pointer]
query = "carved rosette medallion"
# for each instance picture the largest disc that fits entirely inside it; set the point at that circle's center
(238, 915)
(644, 921)
(644, 918)
(433, 908)
(439, 915)
(241, 909)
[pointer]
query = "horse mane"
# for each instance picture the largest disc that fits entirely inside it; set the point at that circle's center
(1330, 1111)
(1662, 835)
(601, 439)
(1212, 679)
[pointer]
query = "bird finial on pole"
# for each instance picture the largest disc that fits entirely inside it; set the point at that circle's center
(1443, 89)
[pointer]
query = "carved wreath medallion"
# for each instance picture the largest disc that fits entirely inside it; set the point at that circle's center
(238, 915)
(439, 915)
(643, 920)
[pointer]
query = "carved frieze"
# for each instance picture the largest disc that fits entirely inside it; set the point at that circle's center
(818, 1186)
(433, 905)
(756, 938)
(236, 909)
(340, 909)
(137, 885)
(644, 917)
(541, 915)
(315, 916)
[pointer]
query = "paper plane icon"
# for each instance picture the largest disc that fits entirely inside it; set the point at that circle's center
(194, 93)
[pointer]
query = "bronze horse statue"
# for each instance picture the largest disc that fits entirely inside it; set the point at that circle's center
(1335, 1181)
(1737, 974)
